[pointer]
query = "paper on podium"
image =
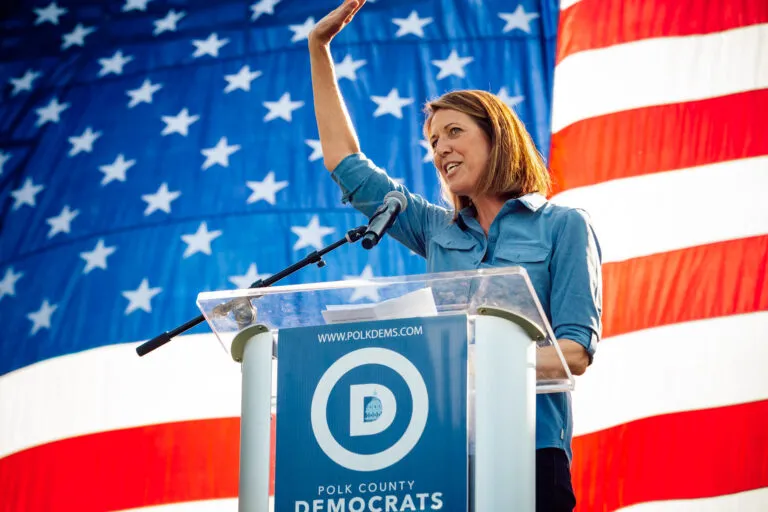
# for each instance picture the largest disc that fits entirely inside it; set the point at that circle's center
(418, 303)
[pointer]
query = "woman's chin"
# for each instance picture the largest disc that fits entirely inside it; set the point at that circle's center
(459, 190)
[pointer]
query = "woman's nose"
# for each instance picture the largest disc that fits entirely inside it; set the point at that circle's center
(443, 148)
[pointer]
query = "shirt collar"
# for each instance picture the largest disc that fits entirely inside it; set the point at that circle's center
(460, 218)
(533, 201)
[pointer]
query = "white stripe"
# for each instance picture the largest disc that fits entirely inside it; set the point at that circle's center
(225, 505)
(749, 501)
(666, 211)
(112, 388)
(659, 71)
(681, 367)
(564, 4)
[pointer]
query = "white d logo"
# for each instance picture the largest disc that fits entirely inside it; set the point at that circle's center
(412, 434)
(372, 409)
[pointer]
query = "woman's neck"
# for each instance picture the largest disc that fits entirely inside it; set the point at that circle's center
(486, 209)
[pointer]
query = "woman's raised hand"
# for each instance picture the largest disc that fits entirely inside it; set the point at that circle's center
(334, 22)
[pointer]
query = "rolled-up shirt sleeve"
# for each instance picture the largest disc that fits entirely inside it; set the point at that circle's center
(577, 285)
(364, 186)
(355, 171)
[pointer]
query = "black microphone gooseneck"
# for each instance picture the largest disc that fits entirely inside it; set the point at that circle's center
(315, 257)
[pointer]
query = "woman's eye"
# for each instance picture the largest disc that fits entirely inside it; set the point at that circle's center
(455, 130)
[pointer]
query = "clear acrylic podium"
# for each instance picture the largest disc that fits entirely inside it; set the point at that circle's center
(506, 330)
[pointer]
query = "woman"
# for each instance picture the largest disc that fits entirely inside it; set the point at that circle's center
(497, 182)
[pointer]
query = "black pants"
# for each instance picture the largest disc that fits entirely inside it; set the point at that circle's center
(554, 492)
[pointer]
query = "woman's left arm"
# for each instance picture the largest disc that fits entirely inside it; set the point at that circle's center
(548, 365)
(576, 294)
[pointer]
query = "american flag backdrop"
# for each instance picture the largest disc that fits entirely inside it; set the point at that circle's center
(153, 149)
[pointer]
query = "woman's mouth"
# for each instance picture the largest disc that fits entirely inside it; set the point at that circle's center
(451, 168)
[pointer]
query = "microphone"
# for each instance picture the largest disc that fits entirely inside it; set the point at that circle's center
(383, 218)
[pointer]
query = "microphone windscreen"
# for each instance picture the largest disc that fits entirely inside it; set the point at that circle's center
(399, 197)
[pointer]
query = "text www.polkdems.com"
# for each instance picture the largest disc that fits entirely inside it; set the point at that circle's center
(370, 334)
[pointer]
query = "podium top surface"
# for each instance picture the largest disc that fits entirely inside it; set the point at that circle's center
(505, 291)
(281, 307)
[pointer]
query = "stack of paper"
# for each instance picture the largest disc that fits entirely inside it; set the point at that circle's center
(414, 304)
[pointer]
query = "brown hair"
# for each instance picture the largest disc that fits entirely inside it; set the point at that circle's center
(515, 166)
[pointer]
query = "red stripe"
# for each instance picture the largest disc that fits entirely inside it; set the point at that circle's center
(676, 456)
(697, 454)
(715, 280)
(130, 468)
(660, 138)
(153, 465)
(591, 24)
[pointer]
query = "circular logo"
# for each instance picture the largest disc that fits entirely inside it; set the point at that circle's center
(412, 434)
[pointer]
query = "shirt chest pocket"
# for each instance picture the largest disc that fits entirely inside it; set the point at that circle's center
(449, 251)
(534, 258)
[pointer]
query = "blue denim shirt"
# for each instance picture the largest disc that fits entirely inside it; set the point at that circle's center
(556, 245)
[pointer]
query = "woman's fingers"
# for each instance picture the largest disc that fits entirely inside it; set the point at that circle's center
(327, 28)
(347, 11)
(343, 11)
(354, 10)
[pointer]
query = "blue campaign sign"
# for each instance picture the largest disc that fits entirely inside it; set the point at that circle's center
(372, 416)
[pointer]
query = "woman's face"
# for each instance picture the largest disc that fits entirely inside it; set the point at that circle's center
(462, 150)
